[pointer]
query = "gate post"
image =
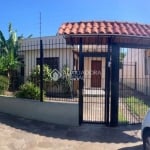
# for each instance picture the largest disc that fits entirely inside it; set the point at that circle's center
(114, 85)
(81, 76)
(107, 85)
(41, 71)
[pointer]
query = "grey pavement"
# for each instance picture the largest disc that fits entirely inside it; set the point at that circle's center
(22, 134)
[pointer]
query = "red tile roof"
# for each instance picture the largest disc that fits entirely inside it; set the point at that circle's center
(105, 27)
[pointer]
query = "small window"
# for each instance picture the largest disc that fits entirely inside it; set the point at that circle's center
(52, 62)
(148, 65)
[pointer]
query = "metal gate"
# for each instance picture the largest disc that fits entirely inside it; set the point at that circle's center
(114, 84)
(94, 88)
(134, 81)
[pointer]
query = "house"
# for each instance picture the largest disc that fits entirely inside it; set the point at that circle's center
(136, 66)
(91, 52)
(54, 48)
(135, 71)
(57, 54)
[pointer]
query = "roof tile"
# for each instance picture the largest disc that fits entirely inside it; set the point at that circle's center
(75, 25)
(109, 30)
(95, 24)
(105, 27)
(89, 25)
(80, 31)
(101, 24)
(88, 30)
(148, 31)
(124, 31)
(102, 30)
(116, 31)
(73, 30)
(95, 30)
(69, 25)
(67, 31)
(137, 31)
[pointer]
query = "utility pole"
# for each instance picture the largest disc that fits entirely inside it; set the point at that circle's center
(41, 63)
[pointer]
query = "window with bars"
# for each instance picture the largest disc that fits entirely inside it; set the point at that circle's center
(52, 62)
(147, 63)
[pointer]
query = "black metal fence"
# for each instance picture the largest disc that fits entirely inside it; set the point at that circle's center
(57, 61)
(54, 66)
(134, 85)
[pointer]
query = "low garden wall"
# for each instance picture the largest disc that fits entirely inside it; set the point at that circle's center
(51, 112)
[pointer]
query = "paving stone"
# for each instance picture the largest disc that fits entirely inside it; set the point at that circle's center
(23, 134)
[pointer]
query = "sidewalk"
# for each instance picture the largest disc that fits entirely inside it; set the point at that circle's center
(22, 134)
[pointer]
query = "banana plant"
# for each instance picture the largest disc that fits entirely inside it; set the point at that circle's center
(8, 52)
(9, 61)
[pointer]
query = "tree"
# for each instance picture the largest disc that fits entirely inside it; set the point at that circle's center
(122, 56)
(8, 52)
(9, 61)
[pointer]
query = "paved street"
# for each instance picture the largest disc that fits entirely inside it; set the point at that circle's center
(22, 134)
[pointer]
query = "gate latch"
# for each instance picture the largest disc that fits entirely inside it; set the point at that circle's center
(109, 64)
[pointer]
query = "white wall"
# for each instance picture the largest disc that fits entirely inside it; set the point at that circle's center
(51, 112)
(49, 42)
(56, 47)
(65, 58)
(53, 46)
(135, 56)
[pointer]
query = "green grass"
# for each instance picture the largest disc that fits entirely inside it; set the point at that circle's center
(137, 106)
(121, 118)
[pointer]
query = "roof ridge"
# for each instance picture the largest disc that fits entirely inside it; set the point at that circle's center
(105, 27)
(106, 21)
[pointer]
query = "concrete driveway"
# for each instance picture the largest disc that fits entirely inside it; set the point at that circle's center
(22, 134)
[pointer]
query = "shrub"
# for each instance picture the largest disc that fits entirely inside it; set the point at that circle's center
(35, 74)
(29, 90)
(4, 84)
(65, 81)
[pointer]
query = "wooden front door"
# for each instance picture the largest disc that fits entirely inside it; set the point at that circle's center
(96, 71)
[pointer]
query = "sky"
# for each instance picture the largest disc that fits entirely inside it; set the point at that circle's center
(25, 14)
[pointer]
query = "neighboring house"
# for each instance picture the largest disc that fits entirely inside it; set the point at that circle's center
(136, 70)
(57, 54)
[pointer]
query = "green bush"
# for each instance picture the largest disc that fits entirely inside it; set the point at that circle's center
(29, 90)
(4, 84)
(35, 74)
(65, 81)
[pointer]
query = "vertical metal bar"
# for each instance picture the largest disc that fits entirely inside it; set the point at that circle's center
(107, 85)
(146, 70)
(135, 76)
(41, 70)
(114, 85)
(122, 74)
(81, 60)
